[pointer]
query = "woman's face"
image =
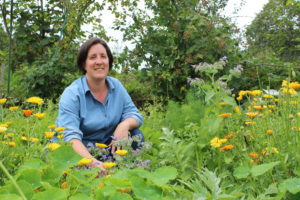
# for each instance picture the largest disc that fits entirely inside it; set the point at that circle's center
(96, 63)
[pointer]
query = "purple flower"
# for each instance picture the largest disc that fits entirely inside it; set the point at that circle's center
(224, 58)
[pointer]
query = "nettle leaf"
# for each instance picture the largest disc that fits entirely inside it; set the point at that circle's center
(64, 157)
(163, 175)
(54, 193)
(261, 169)
(241, 172)
(292, 185)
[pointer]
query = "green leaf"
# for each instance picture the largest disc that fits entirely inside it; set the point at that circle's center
(10, 197)
(143, 190)
(64, 157)
(54, 193)
(51, 175)
(32, 164)
(241, 172)
(163, 175)
(80, 196)
(292, 185)
(261, 169)
(32, 176)
(120, 196)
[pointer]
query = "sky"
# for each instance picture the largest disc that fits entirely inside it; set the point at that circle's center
(242, 18)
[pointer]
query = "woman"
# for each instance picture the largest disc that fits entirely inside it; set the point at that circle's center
(96, 107)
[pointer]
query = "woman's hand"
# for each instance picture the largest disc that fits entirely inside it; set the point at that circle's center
(121, 132)
(96, 163)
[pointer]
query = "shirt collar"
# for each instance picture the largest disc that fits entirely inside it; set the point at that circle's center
(108, 80)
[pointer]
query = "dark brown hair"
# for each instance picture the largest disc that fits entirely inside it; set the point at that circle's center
(84, 49)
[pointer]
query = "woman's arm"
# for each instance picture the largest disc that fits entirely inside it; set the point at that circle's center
(80, 149)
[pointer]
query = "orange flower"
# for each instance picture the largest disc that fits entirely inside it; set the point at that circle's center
(227, 147)
(64, 185)
(27, 112)
(126, 190)
(224, 115)
(101, 185)
(252, 114)
(258, 107)
(269, 131)
(253, 155)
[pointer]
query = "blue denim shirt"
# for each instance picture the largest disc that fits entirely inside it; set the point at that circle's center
(89, 120)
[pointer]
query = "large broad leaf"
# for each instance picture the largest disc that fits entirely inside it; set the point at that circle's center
(10, 197)
(54, 193)
(32, 176)
(25, 187)
(51, 175)
(80, 196)
(143, 190)
(163, 174)
(64, 157)
(32, 164)
(261, 169)
(241, 172)
(120, 196)
(292, 185)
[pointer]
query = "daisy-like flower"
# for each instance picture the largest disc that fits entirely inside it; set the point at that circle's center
(268, 96)
(102, 146)
(35, 100)
(60, 136)
(64, 185)
(109, 165)
(223, 104)
(23, 138)
(253, 155)
(101, 185)
(84, 161)
(252, 114)
(121, 152)
(293, 102)
(39, 115)
(4, 125)
(27, 113)
(271, 106)
(258, 107)
(49, 134)
(11, 144)
(254, 92)
(269, 131)
(12, 108)
(53, 146)
(9, 135)
(60, 129)
(237, 110)
(53, 126)
(294, 85)
(216, 142)
(32, 139)
(250, 122)
(2, 129)
(224, 115)
(3, 101)
(227, 147)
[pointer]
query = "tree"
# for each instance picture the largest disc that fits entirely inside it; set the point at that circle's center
(171, 36)
(277, 29)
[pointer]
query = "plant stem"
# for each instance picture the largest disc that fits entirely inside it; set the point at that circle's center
(12, 180)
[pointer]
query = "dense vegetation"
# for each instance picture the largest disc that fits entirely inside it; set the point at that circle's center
(214, 128)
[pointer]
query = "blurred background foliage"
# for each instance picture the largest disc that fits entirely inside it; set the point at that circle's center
(167, 37)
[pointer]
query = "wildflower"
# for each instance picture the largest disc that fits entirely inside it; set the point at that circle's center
(269, 131)
(237, 110)
(2, 101)
(60, 136)
(39, 115)
(126, 190)
(109, 165)
(32, 139)
(252, 114)
(4, 125)
(216, 142)
(254, 92)
(23, 138)
(253, 155)
(101, 145)
(268, 96)
(290, 91)
(227, 147)
(27, 112)
(53, 146)
(52, 126)
(293, 102)
(224, 115)
(2, 129)
(258, 107)
(64, 185)
(101, 185)
(12, 108)
(60, 129)
(275, 149)
(294, 85)
(9, 135)
(276, 100)
(35, 100)
(223, 104)
(49, 134)
(11, 144)
(271, 106)
(121, 152)
(250, 122)
(84, 161)
(242, 93)
(229, 135)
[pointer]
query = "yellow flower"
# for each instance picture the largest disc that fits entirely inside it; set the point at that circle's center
(250, 122)
(2, 101)
(254, 92)
(109, 165)
(252, 114)
(237, 110)
(276, 100)
(53, 146)
(8, 135)
(52, 126)
(285, 83)
(101, 145)
(270, 131)
(258, 107)
(60, 136)
(35, 100)
(216, 142)
(294, 102)
(223, 104)
(23, 138)
(49, 134)
(294, 85)
(271, 106)
(32, 139)
(39, 115)
(227, 147)
(60, 129)
(253, 155)
(2, 129)
(267, 96)
(11, 144)
(275, 149)
(121, 152)
(4, 125)
(12, 108)
(84, 161)
(224, 115)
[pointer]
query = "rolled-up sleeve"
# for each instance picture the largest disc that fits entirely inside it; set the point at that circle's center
(68, 115)
(129, 109)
